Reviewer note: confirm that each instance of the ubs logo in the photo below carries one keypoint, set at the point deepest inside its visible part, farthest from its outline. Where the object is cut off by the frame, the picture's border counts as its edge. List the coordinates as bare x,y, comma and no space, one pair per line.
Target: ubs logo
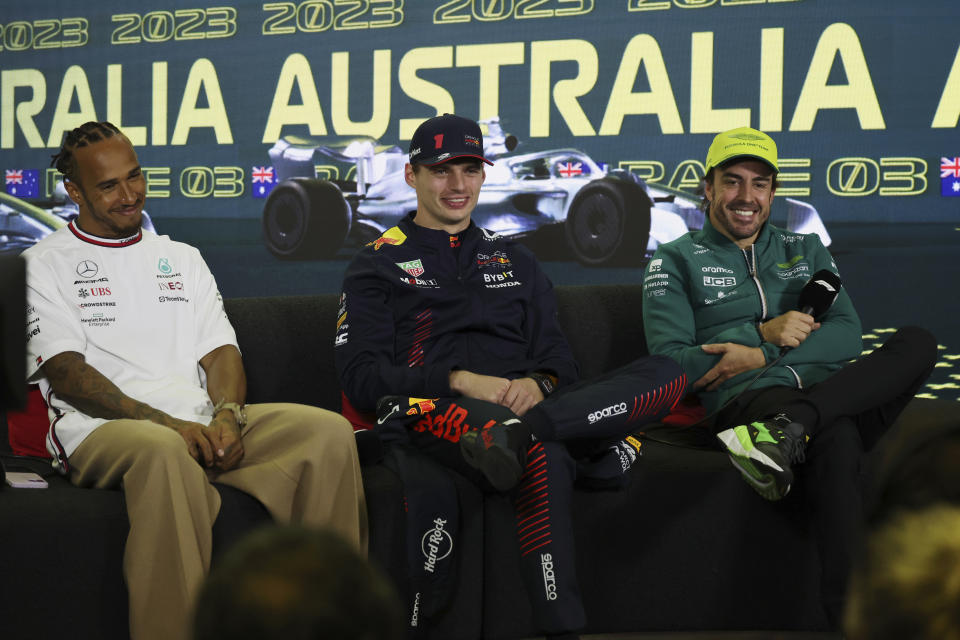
87,269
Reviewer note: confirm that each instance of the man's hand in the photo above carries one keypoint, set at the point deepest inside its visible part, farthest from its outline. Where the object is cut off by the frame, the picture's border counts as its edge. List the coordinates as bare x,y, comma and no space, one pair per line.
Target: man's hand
736,358
223,433
521,395
789,330
195,435
481,387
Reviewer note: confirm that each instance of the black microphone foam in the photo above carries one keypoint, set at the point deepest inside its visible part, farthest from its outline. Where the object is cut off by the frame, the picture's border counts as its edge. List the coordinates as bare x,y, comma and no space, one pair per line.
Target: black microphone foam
819,292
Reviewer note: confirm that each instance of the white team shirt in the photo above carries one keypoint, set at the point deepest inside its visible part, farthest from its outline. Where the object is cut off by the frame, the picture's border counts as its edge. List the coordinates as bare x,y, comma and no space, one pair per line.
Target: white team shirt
141,310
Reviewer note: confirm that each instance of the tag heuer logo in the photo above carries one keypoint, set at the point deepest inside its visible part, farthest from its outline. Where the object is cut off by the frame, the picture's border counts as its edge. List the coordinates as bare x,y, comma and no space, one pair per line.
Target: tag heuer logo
413,267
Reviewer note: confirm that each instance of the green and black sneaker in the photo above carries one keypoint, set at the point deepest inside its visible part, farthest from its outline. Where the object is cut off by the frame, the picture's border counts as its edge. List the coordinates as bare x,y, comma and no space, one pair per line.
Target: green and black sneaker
764,450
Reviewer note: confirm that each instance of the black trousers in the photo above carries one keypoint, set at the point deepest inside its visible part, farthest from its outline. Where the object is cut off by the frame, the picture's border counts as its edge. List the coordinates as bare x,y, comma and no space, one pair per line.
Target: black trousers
573,429
845,415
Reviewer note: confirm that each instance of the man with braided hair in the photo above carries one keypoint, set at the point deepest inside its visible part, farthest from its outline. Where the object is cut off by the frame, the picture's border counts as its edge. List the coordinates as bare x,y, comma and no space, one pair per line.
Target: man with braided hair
466,320
145,386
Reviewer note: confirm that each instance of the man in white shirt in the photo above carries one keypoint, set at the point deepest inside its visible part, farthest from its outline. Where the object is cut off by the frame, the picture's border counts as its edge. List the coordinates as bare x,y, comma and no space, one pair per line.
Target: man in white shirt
140,368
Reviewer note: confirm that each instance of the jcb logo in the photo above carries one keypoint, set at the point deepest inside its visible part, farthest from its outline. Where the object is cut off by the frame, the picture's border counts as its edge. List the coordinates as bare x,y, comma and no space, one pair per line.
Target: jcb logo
714,281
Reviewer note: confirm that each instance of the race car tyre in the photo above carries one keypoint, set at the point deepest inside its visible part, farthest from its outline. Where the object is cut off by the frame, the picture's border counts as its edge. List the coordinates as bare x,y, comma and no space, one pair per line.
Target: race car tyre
305,218
609,223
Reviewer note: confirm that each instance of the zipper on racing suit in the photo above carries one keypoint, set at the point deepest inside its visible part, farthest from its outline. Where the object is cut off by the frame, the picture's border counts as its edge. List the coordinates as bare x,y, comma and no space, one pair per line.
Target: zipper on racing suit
751,260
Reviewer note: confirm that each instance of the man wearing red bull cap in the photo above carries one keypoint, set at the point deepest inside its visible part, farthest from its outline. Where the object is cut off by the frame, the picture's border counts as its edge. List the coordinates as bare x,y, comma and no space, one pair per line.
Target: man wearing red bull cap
466,318
730,302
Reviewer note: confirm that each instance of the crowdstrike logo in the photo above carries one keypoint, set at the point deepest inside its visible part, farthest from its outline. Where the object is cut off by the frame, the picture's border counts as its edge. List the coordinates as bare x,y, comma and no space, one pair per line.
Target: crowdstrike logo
436,544
612,410
549,577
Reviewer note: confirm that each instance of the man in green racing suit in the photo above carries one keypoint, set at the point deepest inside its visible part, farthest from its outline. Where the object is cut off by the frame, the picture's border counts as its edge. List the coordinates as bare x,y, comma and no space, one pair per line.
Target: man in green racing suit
723,302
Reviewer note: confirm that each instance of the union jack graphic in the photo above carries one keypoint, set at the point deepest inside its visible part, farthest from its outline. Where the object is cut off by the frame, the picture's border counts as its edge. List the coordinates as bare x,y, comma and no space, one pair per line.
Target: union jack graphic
262,181
570,169
13,176
262,174
950,177
950,167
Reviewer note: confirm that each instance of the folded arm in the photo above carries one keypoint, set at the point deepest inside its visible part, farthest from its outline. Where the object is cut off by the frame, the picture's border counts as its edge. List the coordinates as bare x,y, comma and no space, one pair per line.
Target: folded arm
89,391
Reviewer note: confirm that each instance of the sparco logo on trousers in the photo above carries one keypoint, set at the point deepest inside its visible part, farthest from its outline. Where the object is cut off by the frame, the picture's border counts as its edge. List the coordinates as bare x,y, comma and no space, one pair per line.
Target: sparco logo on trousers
549,577
436,544
415,617
612,410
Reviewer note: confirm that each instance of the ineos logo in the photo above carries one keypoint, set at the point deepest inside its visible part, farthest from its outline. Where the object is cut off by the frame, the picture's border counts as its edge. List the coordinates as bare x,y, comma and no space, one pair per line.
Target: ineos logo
87,269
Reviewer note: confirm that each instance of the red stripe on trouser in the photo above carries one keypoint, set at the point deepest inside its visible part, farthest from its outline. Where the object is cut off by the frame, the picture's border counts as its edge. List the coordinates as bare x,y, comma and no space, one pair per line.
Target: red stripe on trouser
533,504
663,398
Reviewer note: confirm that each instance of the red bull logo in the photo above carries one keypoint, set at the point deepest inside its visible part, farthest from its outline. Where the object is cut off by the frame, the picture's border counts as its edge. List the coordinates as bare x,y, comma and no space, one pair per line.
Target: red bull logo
392,236
382,240
420,406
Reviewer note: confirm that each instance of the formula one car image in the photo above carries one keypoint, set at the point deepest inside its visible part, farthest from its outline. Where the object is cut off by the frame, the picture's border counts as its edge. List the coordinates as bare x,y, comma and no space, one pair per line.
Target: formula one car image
23,223
602,217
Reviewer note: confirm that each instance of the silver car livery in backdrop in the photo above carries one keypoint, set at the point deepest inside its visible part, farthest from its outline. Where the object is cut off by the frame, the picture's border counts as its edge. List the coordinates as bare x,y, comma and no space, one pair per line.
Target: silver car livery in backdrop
547,198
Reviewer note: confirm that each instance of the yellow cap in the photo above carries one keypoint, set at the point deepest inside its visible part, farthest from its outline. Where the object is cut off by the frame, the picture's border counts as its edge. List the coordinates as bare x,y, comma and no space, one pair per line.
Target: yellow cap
742,142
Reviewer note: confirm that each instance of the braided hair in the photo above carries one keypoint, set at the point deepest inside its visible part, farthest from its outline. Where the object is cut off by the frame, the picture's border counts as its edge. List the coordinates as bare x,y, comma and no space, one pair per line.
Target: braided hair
87,133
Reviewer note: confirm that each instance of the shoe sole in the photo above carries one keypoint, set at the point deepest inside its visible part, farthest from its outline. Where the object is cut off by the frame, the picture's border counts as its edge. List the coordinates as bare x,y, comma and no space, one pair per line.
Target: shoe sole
743,459
764,484
499,466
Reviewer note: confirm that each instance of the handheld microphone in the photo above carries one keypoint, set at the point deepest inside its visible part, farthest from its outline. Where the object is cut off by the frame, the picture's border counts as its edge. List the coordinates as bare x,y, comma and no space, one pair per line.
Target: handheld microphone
817,296
819,293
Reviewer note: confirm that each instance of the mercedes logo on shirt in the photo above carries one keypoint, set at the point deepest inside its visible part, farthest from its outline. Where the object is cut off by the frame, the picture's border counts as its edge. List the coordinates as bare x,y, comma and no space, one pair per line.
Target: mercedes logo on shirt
87,269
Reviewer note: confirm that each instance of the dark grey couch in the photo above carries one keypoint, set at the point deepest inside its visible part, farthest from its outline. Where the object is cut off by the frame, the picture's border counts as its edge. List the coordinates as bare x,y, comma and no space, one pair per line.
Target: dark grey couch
675,550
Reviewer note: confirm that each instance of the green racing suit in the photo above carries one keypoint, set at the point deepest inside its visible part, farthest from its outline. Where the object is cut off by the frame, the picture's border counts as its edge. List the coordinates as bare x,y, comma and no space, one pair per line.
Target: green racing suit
703,289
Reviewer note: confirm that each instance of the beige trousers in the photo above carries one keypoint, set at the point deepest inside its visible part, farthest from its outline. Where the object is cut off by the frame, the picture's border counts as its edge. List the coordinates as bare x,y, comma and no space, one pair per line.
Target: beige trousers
299,461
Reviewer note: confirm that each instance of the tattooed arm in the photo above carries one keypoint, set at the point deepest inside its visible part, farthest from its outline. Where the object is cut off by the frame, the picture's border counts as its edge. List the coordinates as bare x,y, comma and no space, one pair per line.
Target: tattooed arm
91,392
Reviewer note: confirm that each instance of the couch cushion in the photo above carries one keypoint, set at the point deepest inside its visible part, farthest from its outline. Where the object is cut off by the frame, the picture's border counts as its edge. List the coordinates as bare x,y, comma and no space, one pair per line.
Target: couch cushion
27,429
295,332
587,314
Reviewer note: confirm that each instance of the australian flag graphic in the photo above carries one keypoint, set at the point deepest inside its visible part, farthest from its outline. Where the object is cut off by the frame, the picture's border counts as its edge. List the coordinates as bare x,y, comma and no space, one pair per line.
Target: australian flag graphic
23,183
950,177
262,181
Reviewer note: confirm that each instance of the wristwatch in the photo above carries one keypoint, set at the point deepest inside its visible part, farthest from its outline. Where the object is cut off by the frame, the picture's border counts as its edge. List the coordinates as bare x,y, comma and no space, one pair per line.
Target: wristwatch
544,381
238,411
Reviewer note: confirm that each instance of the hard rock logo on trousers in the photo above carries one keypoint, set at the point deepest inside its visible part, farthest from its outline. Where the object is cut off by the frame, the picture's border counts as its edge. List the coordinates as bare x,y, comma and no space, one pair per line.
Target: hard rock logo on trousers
436,544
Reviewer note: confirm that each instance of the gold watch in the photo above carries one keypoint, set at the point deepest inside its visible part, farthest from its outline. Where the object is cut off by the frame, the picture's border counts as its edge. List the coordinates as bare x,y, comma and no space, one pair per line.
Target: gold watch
238,410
